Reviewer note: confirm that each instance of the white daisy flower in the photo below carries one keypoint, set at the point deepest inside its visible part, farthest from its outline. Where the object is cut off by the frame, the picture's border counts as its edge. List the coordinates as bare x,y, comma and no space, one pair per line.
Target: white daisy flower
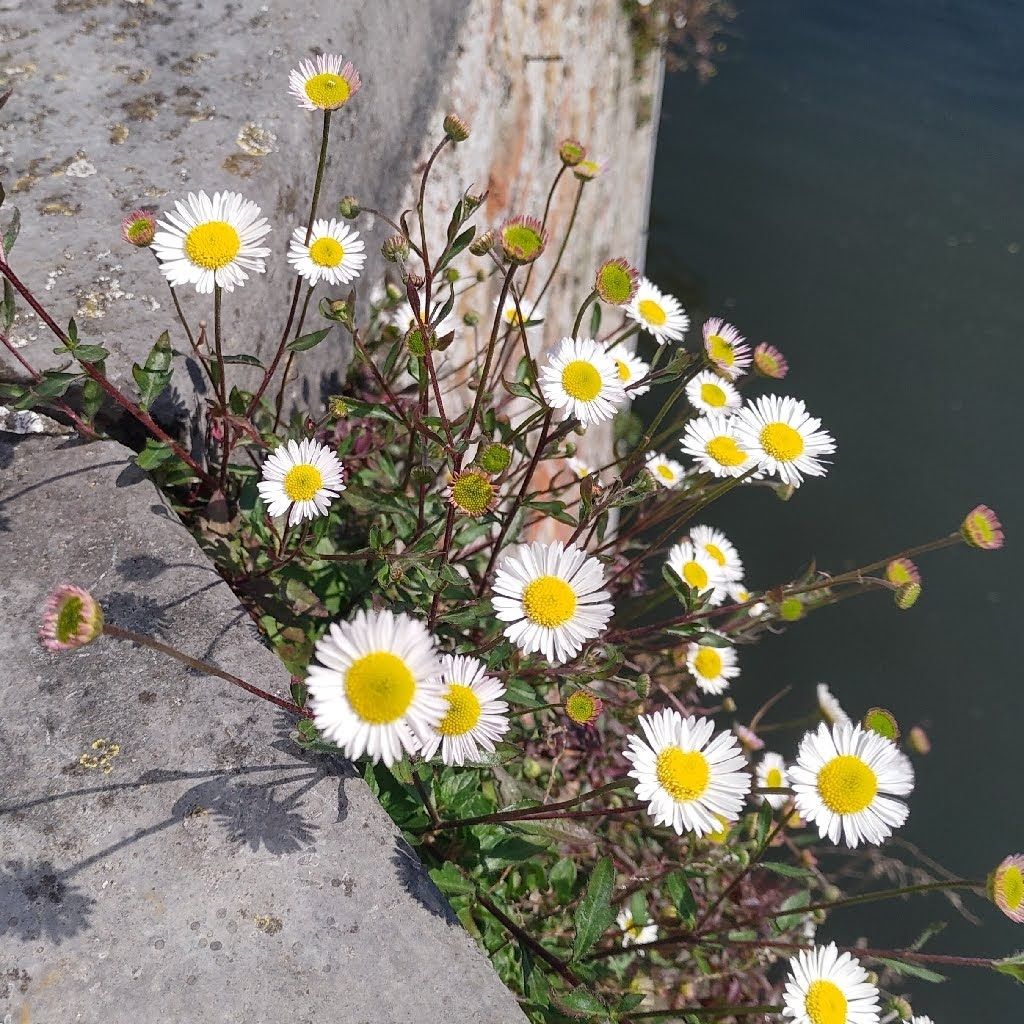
552,596
922,1019
632,932
846,780
698,571
709,392
334,253
207,242
580,468
690,780
831,710
829,987
531,313
712,668
715,543
303,476
666,471
659,314
631,368
476,717
726,348
771,774
784,438
375,687
326,83
714,444
581,379
739,594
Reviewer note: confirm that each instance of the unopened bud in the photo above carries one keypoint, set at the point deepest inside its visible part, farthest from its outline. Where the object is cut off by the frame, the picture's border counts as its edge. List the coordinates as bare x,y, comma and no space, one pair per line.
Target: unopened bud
349,207
571,152
395,249
883,722
451,275
482,244
337,407
906,596
455,128
643,685
470,318
728,705
791,609
138,228
918,741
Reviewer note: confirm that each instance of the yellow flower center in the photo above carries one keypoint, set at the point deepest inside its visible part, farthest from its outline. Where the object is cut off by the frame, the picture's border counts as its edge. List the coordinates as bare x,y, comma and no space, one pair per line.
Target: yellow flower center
473,493
463,711
379,687
549,601
684,775
712,394
581,380
623,367
720,350
665,472
302,482
847,785
695,574
825,1003
651,312
782,442
512,317
328,91
773,778
725,451
708,663
1012,885
212,245
327,252
715,552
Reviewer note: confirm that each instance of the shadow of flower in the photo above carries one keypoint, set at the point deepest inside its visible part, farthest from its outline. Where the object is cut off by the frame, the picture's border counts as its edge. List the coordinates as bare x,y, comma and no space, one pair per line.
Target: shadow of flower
37,902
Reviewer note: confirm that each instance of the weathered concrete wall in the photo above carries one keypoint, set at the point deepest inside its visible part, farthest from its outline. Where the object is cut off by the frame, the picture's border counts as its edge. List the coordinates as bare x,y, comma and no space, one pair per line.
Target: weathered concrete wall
166,851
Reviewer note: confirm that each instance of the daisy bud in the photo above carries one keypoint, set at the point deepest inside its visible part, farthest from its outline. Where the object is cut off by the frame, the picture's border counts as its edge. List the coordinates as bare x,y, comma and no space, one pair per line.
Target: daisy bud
471,318
882,722
784,491
770,362
393,292
395,249
749,739
472,493
471,202
455,128
583,707
902,570
494,458
791,609
349,207
981,529
728,705
413,280
571,152
918,741
138,228
643,685
1006,887
616,282
417,341
906,596
450,275
482,244
588,170
72,618
899,1006
523,239
337,407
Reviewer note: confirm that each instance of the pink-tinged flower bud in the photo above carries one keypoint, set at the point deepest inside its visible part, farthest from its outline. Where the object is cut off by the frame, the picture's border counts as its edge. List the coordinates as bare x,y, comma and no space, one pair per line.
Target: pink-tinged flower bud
72,618
981,529
455,128
902,570
583,707
571,152
616,282
770,362
906,595
138,228
918,741
1006,887
523,239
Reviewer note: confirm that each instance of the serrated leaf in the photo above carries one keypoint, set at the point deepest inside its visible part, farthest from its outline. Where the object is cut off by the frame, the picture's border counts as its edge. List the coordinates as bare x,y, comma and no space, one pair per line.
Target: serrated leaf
308,341
594,913
1013,966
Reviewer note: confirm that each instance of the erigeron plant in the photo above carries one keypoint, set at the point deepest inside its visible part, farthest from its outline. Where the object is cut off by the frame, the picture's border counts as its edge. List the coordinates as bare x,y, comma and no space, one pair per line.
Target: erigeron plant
547,721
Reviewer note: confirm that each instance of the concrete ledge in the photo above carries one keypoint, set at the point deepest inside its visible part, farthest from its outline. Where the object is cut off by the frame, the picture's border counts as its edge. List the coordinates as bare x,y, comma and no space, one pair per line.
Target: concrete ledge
166,851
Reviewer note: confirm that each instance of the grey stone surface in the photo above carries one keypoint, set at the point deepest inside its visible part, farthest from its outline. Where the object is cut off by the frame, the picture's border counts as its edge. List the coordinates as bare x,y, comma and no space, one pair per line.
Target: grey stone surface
167,853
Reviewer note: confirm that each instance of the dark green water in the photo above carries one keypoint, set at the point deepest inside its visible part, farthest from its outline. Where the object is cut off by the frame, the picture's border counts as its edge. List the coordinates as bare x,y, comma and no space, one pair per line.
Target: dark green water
850,187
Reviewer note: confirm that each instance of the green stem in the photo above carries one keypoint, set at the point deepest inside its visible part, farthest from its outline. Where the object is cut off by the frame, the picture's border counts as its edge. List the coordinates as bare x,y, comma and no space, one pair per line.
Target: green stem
707,1011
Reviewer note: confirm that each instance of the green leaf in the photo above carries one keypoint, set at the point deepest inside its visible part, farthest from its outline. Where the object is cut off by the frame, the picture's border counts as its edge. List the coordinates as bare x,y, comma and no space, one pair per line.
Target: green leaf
9,304
54,384
678,889
450,880
154,454
155,374
912,970
794,902
580,1003
90,353
1012,966
513,848
764,824
594,914
563,878
786,870
595,320
455,248
11,234
308,341
243,359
